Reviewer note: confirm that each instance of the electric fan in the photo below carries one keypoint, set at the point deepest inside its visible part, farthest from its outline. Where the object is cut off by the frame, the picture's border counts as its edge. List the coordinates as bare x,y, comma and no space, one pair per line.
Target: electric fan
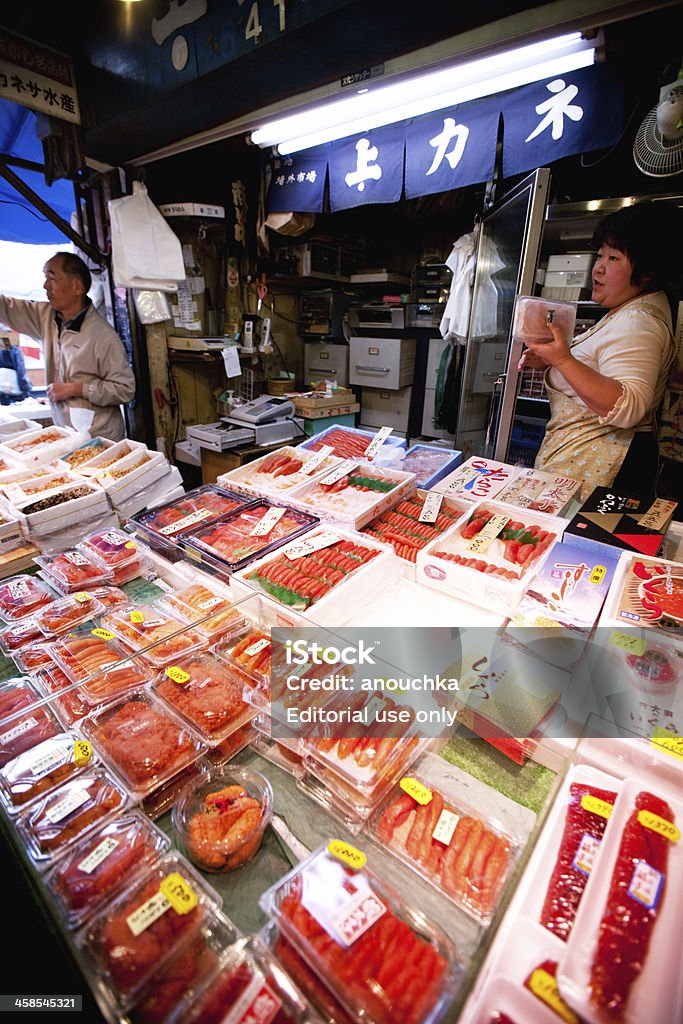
658,145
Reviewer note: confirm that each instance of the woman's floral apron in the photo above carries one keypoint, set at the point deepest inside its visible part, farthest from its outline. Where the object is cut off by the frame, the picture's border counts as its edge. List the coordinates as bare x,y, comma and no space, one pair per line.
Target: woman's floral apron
576,444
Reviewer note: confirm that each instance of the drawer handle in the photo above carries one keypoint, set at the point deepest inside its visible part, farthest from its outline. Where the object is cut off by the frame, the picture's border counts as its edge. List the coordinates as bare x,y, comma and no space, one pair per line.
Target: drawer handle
374,369
325,372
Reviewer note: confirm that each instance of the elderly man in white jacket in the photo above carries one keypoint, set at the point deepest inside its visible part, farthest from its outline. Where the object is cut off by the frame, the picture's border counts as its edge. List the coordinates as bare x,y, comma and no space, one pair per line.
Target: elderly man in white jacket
85,362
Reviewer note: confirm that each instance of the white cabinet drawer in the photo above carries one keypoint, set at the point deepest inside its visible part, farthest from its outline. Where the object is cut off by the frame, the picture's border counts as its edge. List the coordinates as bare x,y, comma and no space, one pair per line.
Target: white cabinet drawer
381,362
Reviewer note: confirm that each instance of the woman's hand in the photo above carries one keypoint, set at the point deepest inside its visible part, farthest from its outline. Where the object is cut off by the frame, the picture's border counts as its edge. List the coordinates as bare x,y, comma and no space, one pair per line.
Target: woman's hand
551,353
531,361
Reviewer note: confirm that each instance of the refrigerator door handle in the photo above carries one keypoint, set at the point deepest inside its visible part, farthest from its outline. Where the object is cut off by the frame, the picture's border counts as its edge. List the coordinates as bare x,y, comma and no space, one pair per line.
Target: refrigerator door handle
496,396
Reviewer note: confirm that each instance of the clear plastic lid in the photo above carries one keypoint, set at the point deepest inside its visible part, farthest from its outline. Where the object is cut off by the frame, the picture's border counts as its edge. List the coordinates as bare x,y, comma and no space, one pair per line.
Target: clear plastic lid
347,442
102,864
248,985
202,505
34,657
74,570
19,634
228,748
184,974
150,630
533,317
16,693
247,533
432,826
161,800
207,692
113,547
67,613
250,652
72,705
382,958
53,823
41,769
196,602
109,596
139,931
143,740
105,667
219,818
25,727
23,595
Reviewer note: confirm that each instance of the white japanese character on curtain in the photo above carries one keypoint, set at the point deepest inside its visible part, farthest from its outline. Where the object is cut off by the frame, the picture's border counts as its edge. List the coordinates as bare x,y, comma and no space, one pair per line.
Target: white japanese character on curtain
440,142
556,108
366,169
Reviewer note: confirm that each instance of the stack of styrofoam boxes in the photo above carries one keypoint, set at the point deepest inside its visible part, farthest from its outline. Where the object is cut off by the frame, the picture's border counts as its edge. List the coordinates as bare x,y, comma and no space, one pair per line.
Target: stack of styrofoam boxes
56,506
134,476
568,276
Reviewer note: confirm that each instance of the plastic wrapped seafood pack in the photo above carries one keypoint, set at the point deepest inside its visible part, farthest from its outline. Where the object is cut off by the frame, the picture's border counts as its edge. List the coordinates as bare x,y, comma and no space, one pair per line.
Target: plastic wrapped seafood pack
53,823
347,442
67,613
104,667
208,693
41,769
164,525
142,740
248,533
381,958
23,595
150,629
213,615
403,529
102,864
141,929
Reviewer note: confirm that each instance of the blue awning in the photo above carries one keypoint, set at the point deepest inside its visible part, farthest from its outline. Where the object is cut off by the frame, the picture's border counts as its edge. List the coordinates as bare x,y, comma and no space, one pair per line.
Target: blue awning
19,220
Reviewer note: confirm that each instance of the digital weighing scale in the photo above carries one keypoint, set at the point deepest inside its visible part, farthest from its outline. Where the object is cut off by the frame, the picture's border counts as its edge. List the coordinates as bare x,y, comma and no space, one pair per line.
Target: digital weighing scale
265,420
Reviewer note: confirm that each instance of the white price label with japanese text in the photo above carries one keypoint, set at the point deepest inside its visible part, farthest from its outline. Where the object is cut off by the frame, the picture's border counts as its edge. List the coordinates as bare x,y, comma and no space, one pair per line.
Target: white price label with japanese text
431,508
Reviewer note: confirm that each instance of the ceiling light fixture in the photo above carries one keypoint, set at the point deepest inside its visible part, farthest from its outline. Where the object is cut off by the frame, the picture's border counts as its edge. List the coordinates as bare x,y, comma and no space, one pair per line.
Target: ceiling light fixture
378,105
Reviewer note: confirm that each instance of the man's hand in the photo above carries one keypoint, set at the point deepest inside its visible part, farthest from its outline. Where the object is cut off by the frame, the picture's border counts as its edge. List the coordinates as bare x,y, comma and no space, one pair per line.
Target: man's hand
63,392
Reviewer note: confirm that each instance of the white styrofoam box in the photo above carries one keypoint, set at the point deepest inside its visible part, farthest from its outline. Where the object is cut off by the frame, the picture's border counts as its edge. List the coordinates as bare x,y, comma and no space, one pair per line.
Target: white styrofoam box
104,459
13,530
656,993
189,452
25,492
497,591
340,605
130,473
75,458
571,261
40,446
255,479
14,426
352,507
19,474
48,520
477,478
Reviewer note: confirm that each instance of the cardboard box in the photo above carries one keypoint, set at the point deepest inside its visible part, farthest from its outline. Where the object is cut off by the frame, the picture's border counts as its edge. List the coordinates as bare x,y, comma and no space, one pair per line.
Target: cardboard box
621,521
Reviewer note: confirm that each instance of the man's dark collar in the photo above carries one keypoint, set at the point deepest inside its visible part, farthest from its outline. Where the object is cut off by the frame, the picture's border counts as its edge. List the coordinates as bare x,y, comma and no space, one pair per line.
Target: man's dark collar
76,322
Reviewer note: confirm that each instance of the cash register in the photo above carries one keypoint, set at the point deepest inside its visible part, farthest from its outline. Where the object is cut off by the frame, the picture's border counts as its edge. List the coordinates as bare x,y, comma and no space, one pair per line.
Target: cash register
265,420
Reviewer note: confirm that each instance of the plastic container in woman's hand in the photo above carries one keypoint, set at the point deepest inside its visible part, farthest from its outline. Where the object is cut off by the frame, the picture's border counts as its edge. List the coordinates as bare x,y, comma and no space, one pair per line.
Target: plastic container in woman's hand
534,317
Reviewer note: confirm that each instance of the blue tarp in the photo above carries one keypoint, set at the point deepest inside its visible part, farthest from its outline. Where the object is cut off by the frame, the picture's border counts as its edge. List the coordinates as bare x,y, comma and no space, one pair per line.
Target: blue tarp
19,221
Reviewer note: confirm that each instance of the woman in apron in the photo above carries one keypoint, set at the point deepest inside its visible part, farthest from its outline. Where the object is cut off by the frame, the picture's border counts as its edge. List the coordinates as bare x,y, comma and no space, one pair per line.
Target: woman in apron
605,386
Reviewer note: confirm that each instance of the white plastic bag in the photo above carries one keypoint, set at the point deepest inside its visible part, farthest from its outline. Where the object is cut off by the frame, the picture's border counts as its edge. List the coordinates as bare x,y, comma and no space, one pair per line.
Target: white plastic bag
9,382
145,251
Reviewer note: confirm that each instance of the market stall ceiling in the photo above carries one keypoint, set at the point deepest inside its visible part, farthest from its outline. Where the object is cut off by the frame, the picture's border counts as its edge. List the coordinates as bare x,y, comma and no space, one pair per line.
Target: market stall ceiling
135,104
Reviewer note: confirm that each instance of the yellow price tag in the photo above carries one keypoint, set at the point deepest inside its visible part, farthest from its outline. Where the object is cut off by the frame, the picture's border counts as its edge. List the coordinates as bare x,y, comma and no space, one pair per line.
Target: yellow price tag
177,674
660,825
137,617
82,752
597,574
179,893
103,634
191,553
415,789
131,545
627,642
544,987
597,806
347,854
669,742
82,596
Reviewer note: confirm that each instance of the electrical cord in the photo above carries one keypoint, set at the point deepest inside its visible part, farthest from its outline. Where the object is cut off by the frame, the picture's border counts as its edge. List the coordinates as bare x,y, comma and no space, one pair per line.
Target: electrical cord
277,348
292,420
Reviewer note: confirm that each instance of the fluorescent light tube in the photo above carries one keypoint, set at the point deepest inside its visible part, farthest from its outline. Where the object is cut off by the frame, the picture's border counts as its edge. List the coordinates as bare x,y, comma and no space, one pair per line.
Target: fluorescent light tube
436,90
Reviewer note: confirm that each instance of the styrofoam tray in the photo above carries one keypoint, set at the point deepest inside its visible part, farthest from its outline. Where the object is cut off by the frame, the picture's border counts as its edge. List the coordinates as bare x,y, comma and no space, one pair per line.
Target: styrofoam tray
25,492
254,478
352,507
657,992
624,605
476,479
340,605
55,441
148,471
70,511
107,457
493,591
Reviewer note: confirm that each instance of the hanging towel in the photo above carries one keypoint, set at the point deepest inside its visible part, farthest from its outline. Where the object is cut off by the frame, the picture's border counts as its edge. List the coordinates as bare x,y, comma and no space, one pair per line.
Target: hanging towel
455,319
